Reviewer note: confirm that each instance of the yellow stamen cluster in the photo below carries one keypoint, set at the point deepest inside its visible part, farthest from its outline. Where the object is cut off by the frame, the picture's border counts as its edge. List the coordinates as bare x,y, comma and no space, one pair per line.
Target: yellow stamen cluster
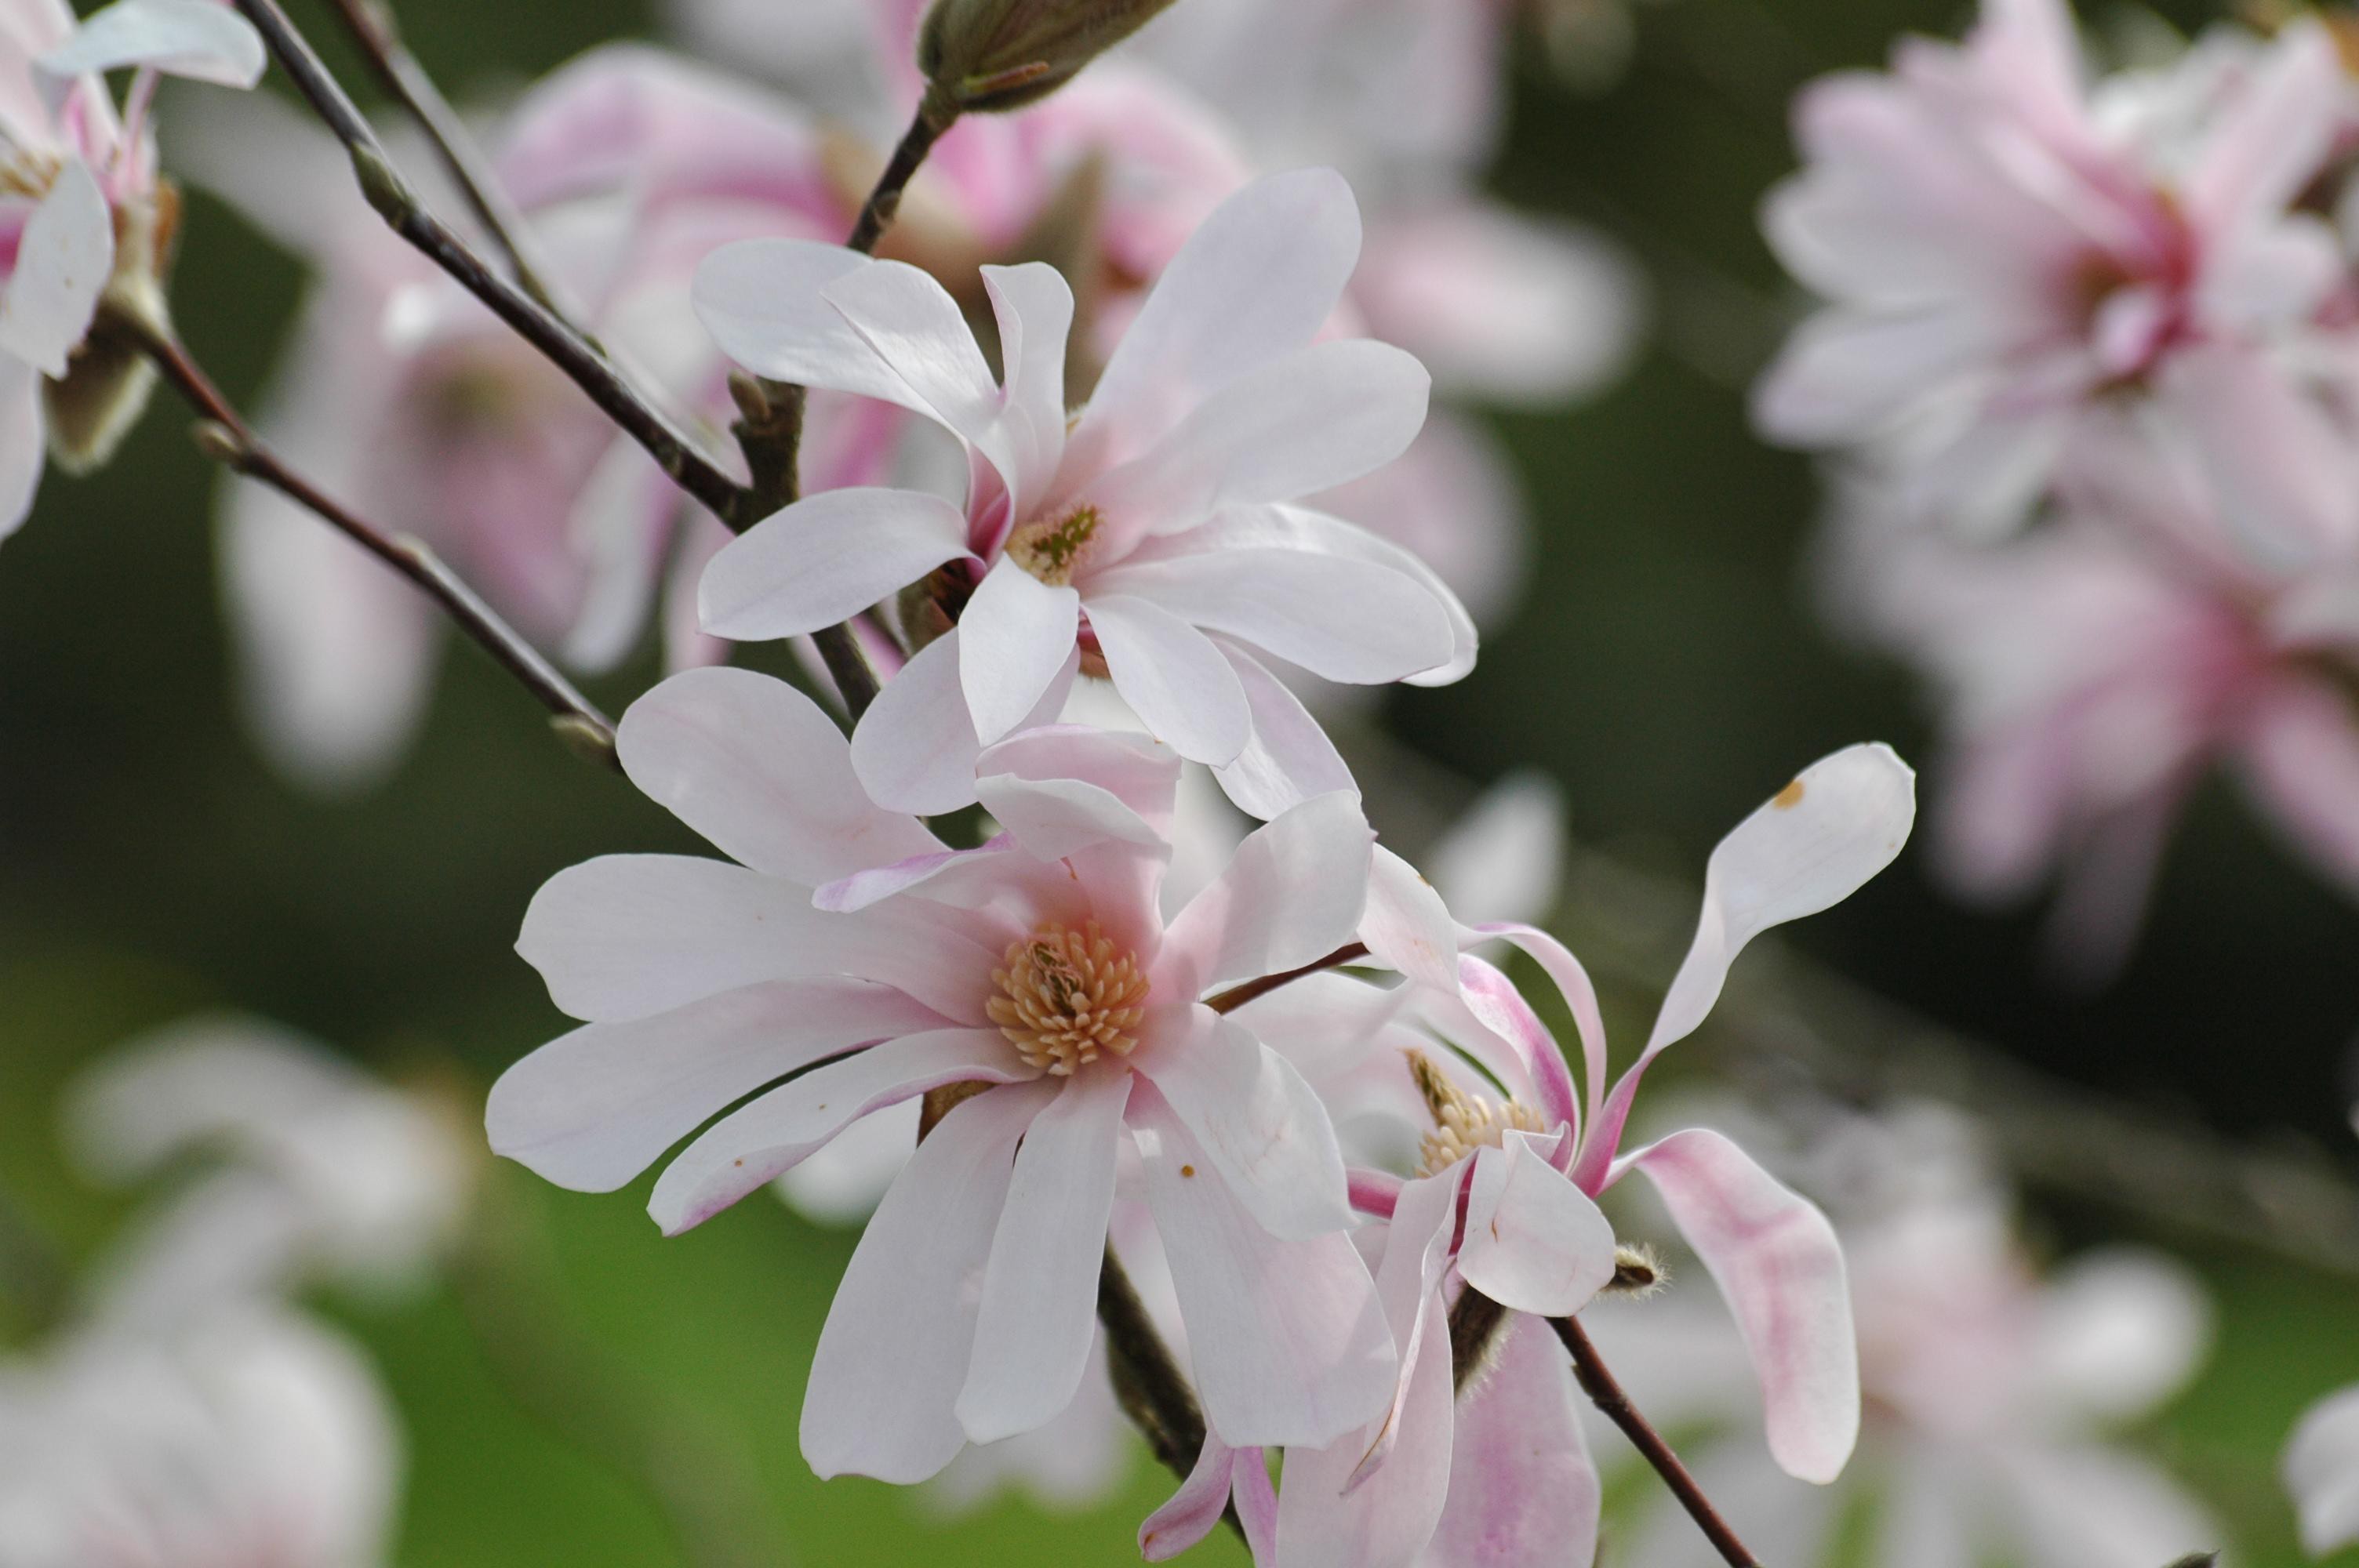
1071,996
1462,1122
1052,551
29,173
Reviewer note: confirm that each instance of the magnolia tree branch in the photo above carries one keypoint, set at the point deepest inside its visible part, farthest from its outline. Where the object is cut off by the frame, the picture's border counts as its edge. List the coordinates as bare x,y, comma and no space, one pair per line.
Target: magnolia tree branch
407,216
1606,1394
226,438
1236,997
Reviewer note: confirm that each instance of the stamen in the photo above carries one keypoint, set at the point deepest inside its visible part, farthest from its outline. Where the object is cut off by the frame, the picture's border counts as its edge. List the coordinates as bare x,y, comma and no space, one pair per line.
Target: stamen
1071,996
1052,551
1462,1122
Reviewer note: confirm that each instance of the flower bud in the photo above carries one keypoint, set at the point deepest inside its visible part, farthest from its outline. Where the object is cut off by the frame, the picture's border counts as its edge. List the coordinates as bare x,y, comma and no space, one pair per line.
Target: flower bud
989,56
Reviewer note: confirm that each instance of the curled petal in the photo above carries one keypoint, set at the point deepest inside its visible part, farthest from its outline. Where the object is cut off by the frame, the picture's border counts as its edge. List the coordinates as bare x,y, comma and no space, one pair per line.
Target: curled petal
1535,1243
196,38
825,559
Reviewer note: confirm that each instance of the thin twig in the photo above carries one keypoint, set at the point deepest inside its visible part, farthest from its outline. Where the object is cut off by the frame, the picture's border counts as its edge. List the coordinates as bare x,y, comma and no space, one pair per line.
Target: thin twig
227,438
935,116
1607,1396
1238,996
564,347
372,28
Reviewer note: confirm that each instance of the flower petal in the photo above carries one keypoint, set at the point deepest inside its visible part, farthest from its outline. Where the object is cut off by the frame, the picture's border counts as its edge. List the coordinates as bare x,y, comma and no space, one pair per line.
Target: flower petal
1139,772
1192,1511
64,257
591,1109
1016,632
915,327
898,1339
752,1145
2321,1471
1287,1338
1523,1489
1407,926
824,559
1033,305
1039,1312
195,38
1288,758
1534,1242
1352,620
754,766
1777,1263
1177,682
1266,1134
764,302
1293,894
23,441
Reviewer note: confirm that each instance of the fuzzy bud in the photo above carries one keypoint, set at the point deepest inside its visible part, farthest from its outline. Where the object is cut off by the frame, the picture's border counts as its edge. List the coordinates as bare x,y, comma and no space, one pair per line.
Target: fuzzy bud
989,56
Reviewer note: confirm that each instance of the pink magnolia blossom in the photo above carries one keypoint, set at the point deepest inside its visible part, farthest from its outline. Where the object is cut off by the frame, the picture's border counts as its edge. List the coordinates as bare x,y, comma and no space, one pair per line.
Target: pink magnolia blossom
83,220
851,955
2007,255
2321,1471
1504,1201
1152,536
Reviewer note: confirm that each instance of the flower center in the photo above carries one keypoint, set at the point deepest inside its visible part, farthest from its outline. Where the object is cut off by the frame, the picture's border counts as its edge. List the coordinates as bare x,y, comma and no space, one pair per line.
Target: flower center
1070,996
1053,551
29,173
1462,1122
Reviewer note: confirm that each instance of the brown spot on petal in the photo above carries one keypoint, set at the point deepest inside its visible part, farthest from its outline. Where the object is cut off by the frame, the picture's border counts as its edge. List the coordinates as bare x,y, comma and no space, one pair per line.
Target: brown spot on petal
1790,797
1187,1170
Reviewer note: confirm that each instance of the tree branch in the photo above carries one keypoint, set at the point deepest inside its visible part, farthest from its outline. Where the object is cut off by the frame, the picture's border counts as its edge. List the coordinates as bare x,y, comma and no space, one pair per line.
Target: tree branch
1607,1396
1236,997
229,441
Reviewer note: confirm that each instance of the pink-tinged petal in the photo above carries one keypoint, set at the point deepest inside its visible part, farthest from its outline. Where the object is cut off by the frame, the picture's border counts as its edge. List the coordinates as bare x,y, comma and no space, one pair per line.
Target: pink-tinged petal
23,441
851,894
1372,1500
1503,859
196,38
1775,1260
1033,305
1372,1193
1266,1133
1038,1312
627,936
1016,635
2301,759
1287,1338
1177,682
2282,471
1844,375
1290,758
1138,771
1580,996
886,1377
63,258
1053,818
751,1146
1407,926
754,766
1257,279
2321,1471
1323,416
825,559
1534,1241
1257,1504
591,1109
1523,1491
1350,621
1293,894
1195,1509
2275,134
1500,1007
764,302
915,749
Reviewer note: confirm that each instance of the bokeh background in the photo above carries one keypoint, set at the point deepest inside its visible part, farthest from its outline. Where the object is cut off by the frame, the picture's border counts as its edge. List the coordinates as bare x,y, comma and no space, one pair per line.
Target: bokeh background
1667,667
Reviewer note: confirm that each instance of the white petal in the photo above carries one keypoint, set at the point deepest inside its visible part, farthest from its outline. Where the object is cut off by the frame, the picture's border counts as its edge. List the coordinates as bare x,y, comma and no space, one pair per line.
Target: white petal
1407,926
901,1332
1249,1109
1016,634
1038,1315
824,559
1034,308
1174,679
764,302
1353,620
591,1109
751,1146
1139,772
23,441
1287,1342
196,38
2321,1471
1504,858
754,766
1293,894
64,259
914,326
915,749
1290,758
1534,1241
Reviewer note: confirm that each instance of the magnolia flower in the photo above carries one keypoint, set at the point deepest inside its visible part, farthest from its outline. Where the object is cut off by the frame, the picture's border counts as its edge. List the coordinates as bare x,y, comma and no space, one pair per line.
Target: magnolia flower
2004,257
86,227
1503,1200
1988,1388
2321,1471
316,1171
238,1440
1150,538
1033,987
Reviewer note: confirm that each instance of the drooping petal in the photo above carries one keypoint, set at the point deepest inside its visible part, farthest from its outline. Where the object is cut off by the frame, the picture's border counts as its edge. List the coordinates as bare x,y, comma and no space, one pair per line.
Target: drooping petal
64,257
754,766
1535,1243
2321,1471
1293,892
1776,1260
1288,758
824,559
1353,620
1249,1109
751,1146
1287,1338
1016,634
591,1109
1195,1509
1572,983
1524,1492
196,38
886,1377
1038,1312
1173,677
